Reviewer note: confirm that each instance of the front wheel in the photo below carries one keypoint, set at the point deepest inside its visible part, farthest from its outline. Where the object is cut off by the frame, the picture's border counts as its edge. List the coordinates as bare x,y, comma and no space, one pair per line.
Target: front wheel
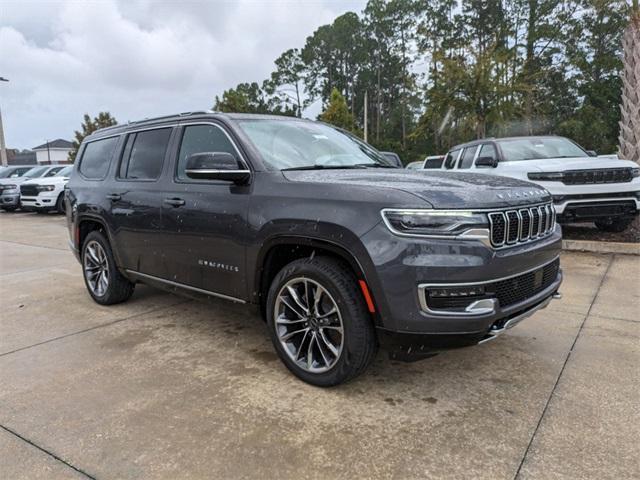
319,323
615,225
105,283
60,203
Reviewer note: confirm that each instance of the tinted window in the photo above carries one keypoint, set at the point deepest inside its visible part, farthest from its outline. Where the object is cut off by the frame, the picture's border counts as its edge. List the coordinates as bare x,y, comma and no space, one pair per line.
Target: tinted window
97,157
433,162
467,157
53,172
144,154
488,150
450,159
200,139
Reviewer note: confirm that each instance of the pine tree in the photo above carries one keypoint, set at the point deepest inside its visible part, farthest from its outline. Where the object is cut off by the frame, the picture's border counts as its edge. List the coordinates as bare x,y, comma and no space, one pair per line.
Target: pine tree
337,113
104,119
630,107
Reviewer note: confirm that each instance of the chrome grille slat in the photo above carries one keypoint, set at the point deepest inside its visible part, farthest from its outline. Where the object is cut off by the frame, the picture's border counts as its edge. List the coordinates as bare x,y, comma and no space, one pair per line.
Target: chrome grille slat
513,227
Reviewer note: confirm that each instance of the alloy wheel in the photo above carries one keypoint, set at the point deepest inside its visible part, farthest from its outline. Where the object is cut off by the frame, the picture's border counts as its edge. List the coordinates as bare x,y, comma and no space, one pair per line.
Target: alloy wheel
309,325
96,268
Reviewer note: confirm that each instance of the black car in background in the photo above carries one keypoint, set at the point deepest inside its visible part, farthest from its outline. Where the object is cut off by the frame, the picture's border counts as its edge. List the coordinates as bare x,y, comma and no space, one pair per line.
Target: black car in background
341,251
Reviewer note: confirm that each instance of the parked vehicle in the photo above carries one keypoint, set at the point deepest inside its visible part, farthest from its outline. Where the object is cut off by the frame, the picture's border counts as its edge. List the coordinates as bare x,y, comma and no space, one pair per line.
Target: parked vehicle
341,252
393,158
414,165
10,179
46,193
585,187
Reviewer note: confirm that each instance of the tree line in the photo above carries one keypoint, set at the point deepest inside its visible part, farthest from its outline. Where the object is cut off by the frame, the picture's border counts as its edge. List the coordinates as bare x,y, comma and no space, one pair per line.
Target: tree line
437,73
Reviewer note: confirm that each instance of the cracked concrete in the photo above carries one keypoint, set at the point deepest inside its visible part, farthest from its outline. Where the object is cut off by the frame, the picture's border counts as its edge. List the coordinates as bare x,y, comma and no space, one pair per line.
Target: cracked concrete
163,387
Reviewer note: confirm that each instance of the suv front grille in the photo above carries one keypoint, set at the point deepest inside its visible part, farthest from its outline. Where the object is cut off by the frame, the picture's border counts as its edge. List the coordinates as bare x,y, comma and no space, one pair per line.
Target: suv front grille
517,226
29,190
600,175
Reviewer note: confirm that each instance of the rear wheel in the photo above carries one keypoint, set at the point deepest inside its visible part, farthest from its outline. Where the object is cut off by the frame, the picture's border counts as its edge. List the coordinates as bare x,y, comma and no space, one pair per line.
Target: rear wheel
616,225
105,283
319,323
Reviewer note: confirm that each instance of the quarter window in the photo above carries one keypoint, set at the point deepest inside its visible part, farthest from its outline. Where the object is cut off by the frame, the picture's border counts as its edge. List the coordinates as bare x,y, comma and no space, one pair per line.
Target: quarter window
96,158
144,154
467,157
201,139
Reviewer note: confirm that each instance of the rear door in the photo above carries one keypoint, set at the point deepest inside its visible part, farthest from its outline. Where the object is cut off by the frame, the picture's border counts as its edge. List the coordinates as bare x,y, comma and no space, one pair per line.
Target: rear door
206,220
136,200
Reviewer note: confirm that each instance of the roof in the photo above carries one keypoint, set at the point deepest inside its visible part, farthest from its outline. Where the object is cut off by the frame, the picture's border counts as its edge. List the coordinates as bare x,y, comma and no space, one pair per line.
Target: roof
494,139
58,143
118,129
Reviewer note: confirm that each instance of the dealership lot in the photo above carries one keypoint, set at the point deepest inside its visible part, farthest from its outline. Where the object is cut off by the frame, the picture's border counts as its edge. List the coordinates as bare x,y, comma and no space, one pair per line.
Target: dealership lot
166,387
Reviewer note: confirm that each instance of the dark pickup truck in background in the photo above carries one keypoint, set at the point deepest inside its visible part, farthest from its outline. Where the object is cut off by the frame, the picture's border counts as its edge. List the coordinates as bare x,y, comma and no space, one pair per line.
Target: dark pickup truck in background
341,251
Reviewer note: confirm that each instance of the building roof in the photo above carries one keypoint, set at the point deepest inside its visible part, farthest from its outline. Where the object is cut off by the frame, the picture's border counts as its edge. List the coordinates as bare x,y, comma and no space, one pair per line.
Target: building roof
58,143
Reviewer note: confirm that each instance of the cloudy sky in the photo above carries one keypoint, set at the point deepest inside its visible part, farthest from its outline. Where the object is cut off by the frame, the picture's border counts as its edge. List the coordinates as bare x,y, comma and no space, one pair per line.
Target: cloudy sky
138,58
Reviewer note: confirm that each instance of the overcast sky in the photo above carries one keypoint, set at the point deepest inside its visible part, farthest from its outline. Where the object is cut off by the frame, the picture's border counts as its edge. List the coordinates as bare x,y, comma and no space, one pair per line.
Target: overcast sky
138,58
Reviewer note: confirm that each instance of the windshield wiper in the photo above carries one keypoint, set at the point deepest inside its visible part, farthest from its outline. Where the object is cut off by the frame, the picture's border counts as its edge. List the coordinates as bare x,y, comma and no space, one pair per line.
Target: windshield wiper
374,165
322,167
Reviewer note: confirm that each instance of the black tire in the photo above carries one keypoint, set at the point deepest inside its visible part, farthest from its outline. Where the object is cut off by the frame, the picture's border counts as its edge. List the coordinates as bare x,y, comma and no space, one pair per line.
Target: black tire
60,204
118,289
359,344
615,225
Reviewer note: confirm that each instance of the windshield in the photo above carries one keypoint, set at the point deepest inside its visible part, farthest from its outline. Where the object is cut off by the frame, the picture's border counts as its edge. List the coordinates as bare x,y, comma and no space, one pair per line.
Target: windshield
65,172
539,147
298,145
35,172
5,172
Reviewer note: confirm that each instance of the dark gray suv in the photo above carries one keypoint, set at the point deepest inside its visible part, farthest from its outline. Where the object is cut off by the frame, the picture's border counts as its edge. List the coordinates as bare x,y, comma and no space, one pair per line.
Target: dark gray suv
342,252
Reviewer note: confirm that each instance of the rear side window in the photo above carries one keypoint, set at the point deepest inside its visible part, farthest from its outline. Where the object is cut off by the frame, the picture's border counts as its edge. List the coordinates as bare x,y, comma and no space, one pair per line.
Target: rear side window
488,150
144,154
201,139
450,159
96,158
467,157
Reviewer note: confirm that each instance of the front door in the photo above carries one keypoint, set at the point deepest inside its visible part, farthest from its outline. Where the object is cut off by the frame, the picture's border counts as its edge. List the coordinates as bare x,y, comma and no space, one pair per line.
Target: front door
205,221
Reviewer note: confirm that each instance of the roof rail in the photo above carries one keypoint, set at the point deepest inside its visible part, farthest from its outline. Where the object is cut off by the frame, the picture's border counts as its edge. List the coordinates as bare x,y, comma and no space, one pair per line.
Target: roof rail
150,119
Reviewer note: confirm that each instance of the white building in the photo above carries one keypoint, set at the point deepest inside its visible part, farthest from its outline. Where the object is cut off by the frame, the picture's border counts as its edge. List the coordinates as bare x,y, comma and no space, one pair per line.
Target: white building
53,152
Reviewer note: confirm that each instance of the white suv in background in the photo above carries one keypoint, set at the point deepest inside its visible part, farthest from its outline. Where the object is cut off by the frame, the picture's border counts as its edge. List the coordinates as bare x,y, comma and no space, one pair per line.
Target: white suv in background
585,188
46,193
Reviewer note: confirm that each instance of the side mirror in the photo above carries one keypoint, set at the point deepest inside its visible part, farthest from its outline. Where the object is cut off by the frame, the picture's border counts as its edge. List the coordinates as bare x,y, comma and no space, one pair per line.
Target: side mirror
216,166
487,162
592,153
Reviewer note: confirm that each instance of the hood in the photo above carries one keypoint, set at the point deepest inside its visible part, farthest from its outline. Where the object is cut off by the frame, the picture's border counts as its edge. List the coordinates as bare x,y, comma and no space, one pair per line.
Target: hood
440,189
574,163
46,181
13,181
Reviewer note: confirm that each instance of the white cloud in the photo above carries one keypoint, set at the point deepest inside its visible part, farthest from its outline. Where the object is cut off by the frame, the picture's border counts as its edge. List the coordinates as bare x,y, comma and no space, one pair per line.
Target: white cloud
138,59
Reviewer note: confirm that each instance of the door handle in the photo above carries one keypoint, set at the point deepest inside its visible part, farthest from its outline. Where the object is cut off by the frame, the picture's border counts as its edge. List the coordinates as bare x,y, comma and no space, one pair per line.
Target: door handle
175,202
114,196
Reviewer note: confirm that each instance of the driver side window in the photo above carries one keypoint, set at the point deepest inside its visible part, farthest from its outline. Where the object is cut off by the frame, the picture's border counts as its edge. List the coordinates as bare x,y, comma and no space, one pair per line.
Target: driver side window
200,139
488,150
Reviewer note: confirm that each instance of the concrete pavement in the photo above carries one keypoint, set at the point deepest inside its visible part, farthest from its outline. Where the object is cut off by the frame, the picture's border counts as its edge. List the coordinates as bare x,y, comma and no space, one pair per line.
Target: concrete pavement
164,387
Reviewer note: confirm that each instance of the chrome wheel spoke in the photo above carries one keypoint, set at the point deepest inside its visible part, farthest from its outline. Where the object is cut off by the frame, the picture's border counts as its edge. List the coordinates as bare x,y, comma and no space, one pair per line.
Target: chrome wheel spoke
96,268
308,325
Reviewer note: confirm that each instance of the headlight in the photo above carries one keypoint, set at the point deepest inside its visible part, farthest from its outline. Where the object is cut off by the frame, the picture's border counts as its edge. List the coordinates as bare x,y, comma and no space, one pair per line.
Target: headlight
546,176
7,187
45,188
635,172
448,223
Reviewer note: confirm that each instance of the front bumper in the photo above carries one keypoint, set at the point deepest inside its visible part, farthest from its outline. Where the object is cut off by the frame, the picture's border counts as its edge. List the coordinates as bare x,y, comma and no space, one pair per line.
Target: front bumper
43,201
587,208
11,200
403,268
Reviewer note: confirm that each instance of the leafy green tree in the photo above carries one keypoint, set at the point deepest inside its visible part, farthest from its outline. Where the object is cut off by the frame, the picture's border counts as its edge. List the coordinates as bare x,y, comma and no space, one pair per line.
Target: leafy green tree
89,125
287,81
251,98
337,113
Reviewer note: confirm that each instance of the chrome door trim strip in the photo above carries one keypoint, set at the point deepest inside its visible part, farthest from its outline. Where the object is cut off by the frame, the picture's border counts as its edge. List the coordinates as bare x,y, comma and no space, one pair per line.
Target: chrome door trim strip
186,287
